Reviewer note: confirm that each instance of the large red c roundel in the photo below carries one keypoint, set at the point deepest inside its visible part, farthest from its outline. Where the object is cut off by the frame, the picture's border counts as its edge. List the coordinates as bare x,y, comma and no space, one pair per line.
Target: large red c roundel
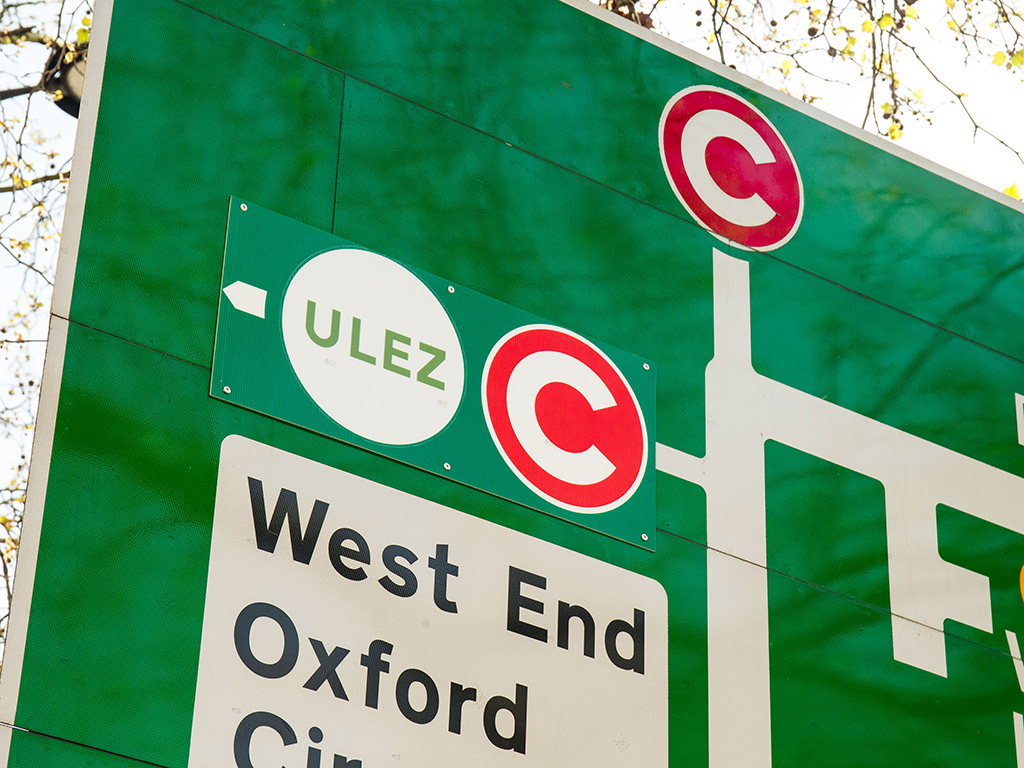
564,419
730,168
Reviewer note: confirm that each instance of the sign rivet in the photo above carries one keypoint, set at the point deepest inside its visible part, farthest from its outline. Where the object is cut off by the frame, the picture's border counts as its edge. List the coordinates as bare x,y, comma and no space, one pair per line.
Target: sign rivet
647,366
244,207
447,465
644,536
451,289
227,390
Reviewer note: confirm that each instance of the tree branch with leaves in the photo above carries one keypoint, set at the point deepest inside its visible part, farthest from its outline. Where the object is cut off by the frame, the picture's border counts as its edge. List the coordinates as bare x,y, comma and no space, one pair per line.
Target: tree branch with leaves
883,48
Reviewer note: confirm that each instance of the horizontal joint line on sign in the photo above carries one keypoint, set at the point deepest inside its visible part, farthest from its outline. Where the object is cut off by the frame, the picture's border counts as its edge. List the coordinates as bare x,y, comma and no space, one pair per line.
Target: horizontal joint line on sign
834,593
207,368
953,311
683,219
80,744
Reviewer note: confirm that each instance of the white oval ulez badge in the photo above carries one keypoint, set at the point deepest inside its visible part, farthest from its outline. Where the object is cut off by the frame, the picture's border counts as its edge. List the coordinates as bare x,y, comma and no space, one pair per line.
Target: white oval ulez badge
373,346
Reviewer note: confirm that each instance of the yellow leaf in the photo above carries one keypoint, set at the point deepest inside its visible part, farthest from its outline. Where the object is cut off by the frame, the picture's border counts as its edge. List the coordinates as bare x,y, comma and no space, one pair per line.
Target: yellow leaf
887,107
886,21
912,12
999,59
1012,191
86,22
868,26
1018,58
894,132
785,67
919,94
951,24
950,4
83,36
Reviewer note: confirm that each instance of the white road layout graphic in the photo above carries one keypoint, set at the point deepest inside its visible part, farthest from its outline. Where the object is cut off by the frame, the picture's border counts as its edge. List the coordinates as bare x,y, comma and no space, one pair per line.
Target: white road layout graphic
744,410
349,624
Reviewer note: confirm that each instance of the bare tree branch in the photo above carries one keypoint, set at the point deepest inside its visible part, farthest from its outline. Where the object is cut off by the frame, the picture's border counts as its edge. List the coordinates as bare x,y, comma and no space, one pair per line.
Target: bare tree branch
26,183
12,93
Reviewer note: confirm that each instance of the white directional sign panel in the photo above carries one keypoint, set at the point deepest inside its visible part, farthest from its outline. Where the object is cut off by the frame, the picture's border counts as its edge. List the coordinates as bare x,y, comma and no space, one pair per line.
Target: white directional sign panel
346,618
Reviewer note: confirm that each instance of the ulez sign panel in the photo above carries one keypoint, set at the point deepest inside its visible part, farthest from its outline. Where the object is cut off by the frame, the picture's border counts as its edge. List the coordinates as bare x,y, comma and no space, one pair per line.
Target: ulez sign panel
433,374
513,387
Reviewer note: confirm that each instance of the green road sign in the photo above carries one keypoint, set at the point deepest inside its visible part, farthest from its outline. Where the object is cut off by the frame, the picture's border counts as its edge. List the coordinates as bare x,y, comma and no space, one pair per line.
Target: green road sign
242,546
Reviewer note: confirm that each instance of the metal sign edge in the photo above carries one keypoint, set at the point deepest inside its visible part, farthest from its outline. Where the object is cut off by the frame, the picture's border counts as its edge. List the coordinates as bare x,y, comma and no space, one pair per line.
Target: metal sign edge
50,383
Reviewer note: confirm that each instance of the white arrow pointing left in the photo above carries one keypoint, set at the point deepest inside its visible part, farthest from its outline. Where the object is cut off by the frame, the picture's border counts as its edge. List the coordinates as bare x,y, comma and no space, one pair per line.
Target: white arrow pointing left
247,298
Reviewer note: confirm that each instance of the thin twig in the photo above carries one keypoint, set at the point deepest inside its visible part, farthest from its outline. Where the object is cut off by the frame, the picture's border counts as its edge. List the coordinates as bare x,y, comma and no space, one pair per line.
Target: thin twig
27,265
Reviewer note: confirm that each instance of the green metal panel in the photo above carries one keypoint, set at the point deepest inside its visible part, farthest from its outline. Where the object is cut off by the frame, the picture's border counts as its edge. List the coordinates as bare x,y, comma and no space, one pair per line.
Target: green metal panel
182,140
31,749
828,698
535,235
862,230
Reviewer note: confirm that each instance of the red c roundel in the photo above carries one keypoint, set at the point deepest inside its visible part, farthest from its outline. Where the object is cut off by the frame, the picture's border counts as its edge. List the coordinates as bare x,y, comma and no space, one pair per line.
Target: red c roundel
564,419
730,168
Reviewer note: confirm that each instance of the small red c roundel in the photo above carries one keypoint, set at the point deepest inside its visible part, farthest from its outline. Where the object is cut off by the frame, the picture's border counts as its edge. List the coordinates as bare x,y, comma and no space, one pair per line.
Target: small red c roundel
730,168
564,418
